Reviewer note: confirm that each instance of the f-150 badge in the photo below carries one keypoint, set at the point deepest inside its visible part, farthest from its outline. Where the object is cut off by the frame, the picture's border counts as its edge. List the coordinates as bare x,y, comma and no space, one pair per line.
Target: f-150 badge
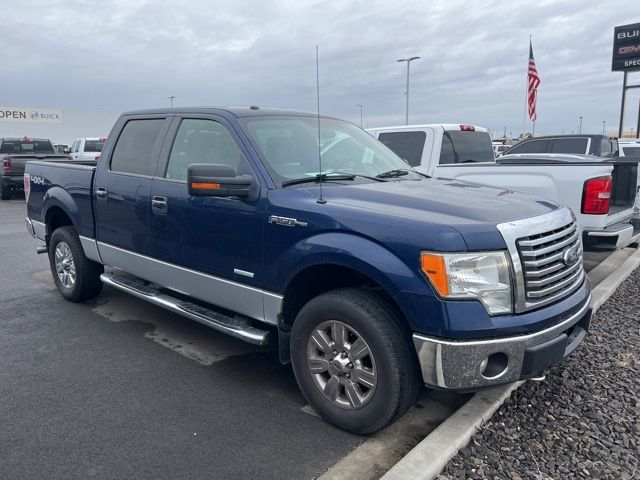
286,221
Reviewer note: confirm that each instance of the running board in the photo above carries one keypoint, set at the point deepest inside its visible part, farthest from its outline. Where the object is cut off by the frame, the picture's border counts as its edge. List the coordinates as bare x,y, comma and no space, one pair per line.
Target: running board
237,326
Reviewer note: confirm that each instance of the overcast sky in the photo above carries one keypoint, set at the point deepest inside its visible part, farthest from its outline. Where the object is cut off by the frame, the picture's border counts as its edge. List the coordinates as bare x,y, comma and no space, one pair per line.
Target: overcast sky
122,55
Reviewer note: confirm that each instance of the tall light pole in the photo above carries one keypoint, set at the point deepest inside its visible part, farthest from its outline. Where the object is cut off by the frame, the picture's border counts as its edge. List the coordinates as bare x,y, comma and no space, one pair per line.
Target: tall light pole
580,126
604,122
171,99
408,60
360,114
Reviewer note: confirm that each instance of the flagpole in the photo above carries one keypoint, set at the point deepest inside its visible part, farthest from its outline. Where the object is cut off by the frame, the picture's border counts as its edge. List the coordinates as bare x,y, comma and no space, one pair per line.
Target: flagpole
526,95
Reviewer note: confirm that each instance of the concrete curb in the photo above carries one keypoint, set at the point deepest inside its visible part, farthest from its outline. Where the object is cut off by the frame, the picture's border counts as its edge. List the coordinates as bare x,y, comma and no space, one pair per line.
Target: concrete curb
429,457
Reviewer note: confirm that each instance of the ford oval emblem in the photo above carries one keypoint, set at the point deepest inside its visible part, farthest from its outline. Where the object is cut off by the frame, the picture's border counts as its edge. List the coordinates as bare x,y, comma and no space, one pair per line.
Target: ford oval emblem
571,256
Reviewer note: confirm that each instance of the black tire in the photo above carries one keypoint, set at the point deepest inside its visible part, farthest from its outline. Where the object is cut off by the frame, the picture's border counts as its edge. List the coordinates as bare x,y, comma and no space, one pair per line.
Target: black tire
379,325
5,192
87,283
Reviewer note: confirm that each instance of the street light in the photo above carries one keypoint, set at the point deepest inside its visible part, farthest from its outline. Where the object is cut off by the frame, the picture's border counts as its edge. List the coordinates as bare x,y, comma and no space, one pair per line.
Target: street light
604,122
580,126
408,60
171,99
360,114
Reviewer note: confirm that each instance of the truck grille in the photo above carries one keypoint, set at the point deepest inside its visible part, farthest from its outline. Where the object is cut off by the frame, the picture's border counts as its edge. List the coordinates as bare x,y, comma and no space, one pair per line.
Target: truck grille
551,264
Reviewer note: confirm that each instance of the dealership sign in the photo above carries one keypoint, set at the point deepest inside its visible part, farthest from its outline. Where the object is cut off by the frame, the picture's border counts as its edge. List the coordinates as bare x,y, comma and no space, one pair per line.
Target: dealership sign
31,115
626,47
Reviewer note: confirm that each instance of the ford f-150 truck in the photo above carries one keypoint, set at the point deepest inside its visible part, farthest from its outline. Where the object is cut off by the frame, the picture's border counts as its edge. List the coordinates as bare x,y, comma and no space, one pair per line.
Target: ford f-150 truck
601,192
15,152
375,279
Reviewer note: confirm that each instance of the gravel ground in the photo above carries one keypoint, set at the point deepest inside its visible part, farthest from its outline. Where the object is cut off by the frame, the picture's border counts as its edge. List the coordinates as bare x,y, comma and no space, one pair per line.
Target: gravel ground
583,421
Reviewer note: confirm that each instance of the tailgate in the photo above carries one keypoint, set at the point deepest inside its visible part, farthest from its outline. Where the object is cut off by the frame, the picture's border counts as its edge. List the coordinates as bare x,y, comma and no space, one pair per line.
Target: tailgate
624,189
18,161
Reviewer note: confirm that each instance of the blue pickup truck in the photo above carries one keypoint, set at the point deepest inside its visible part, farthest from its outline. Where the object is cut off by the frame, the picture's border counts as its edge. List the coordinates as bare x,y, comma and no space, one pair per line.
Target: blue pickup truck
375,279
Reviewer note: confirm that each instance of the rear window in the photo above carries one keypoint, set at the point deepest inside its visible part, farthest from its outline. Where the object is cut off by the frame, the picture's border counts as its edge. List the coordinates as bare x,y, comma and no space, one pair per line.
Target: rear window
569,145
26,146
407,145
93,145
631,151
134,151
465,147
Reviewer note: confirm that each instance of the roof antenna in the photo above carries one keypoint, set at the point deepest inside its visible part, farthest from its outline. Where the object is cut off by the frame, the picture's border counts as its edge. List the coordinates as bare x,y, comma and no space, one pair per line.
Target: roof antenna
320,200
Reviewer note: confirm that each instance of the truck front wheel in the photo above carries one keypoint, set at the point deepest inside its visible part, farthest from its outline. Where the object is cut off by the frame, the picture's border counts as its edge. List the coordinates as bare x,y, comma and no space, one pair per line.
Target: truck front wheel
353,360
76,277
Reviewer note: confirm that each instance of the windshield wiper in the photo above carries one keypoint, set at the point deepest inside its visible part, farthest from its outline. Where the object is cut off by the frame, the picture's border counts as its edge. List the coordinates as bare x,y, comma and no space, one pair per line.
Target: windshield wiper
321,177
398,172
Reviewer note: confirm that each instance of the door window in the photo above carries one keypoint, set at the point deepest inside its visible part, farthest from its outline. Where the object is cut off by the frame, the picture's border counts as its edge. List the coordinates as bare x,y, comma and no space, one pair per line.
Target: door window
530,146
135,147
407,145
569,145
204,141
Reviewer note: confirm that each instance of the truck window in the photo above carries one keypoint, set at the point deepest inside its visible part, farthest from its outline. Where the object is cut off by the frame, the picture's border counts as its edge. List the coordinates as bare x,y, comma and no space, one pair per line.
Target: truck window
26,146
134,149
530,146
629,151
569,145
465,147
93,145
407,145
204,141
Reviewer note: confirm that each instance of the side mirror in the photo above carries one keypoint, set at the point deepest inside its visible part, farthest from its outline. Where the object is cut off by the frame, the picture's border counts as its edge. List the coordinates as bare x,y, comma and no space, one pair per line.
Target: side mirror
66,150
206,180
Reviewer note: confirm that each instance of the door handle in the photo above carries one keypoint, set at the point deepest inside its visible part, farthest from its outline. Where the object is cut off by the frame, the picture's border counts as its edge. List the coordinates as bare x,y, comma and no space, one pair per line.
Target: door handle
159,204
101,193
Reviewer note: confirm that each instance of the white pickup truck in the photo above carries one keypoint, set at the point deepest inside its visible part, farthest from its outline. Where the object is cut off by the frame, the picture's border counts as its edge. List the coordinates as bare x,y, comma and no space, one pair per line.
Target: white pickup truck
601,192
87,148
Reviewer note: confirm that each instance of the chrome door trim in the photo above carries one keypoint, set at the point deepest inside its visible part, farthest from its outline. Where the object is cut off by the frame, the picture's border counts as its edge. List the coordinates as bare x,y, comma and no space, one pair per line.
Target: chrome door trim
90,247
250,301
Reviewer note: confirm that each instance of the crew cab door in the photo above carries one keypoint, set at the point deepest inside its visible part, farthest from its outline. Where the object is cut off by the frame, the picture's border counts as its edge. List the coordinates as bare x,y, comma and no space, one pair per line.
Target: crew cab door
122,190
210,246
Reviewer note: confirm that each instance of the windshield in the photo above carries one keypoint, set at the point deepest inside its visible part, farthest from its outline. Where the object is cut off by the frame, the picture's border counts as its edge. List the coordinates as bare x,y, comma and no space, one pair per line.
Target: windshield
93,145
289,148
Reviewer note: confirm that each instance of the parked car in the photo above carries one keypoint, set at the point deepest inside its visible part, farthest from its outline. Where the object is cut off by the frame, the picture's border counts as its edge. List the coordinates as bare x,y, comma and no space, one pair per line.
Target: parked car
15,152
629,147
601,192
598,145
87,148
376,278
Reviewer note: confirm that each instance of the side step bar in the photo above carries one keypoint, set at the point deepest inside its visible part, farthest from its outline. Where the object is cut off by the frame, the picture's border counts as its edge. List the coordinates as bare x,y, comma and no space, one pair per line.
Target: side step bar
237,327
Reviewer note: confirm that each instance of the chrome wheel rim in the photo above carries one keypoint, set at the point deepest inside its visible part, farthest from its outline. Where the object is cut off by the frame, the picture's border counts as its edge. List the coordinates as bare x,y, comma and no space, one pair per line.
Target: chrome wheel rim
341,365
65,266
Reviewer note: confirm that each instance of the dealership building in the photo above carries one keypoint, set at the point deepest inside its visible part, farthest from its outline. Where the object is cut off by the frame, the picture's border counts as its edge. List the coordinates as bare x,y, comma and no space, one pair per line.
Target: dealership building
60,125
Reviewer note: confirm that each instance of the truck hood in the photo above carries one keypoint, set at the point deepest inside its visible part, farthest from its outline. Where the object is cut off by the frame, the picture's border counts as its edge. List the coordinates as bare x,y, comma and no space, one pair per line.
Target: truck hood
472,209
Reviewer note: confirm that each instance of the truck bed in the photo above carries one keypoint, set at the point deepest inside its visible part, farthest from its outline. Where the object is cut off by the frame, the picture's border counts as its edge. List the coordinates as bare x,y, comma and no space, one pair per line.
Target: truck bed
62,178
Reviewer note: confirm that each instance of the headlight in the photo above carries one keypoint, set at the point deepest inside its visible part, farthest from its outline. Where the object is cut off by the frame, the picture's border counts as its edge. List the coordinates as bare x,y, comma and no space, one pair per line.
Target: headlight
483,276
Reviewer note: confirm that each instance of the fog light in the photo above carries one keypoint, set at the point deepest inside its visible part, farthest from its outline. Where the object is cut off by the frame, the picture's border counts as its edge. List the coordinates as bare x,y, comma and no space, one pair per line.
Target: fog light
494,365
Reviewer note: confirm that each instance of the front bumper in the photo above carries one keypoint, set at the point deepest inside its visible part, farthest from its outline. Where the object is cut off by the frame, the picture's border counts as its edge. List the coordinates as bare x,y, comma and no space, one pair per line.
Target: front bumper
477,364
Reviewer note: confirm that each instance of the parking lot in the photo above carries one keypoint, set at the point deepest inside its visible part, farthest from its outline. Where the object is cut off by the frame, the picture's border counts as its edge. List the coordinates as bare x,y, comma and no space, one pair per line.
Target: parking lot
118,388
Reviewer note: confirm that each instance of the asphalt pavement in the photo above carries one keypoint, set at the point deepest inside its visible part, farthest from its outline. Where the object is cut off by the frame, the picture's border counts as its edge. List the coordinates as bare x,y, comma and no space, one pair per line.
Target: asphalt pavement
117,388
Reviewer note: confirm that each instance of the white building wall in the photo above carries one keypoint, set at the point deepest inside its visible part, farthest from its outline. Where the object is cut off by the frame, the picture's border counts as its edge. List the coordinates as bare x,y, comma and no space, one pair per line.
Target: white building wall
58,125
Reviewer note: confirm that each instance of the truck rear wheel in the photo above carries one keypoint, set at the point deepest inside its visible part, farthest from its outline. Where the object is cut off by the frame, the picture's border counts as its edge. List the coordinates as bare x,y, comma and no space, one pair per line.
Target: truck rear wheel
353,360
76,277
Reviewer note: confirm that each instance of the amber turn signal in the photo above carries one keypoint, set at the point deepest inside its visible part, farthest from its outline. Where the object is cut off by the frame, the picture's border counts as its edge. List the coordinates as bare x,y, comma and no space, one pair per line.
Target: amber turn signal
204,186
434,268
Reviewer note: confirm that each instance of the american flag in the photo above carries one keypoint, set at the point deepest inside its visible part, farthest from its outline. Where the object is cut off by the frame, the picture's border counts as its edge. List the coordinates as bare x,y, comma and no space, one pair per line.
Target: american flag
533,82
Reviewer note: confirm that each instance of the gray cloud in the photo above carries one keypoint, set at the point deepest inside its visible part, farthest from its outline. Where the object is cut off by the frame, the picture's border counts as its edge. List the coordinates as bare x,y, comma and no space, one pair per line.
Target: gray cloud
121,55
